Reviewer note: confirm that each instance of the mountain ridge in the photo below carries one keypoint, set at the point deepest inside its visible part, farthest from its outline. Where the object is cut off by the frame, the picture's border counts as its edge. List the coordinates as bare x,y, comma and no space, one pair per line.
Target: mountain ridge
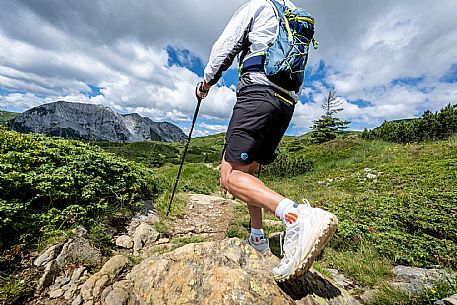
80,121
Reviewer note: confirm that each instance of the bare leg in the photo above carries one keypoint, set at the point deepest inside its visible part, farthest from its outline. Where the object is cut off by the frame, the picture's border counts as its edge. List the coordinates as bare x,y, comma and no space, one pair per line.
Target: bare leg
236,180
255,212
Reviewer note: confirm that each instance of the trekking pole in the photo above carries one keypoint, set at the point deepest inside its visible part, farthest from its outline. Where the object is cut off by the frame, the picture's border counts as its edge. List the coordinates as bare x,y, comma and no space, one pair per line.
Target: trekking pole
199,100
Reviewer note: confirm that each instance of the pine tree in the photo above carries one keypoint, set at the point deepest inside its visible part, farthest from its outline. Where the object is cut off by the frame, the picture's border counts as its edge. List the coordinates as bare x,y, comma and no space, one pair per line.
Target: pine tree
328,126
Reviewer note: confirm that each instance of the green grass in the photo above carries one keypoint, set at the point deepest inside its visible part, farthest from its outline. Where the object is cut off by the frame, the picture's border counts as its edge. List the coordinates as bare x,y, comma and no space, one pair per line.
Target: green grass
163,228
195,178
5,116
388,295
179,242
407,212
155,154
365,265
15,289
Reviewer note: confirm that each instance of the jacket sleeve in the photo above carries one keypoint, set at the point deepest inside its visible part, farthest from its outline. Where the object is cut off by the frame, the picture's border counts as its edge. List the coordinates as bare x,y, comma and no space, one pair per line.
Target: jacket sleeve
231,42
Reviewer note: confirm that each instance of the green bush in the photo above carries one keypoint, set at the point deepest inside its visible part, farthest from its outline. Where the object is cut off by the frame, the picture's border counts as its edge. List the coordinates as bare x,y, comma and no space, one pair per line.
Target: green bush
429,127
151,154
288,166
49,184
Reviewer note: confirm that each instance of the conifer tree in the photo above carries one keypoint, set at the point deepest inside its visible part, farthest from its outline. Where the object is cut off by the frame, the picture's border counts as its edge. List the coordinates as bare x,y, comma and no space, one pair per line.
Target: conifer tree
328,126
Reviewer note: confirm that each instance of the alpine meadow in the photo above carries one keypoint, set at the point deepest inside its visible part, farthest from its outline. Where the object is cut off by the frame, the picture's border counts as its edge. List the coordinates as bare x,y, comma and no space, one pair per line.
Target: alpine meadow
260,152
396,202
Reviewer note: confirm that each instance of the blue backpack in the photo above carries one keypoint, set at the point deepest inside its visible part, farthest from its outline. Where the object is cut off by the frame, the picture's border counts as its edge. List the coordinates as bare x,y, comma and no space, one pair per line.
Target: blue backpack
284,61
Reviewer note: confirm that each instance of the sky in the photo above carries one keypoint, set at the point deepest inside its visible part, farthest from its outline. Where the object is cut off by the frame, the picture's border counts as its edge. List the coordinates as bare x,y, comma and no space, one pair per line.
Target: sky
385,59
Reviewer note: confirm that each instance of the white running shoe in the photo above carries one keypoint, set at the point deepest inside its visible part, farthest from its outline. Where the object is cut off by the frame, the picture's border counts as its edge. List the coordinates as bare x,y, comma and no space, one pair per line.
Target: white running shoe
262,246
304,240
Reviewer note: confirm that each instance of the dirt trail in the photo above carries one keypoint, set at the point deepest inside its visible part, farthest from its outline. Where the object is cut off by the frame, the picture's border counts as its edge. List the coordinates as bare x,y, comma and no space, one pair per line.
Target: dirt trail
206,216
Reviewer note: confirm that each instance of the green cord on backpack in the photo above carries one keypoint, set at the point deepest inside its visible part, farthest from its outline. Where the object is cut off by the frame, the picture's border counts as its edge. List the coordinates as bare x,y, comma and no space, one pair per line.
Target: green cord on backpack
285,60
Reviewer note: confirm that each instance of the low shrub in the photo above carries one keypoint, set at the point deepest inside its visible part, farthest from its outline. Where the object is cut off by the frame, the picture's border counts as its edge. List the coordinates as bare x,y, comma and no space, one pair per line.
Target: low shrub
431,126
288,166
49,184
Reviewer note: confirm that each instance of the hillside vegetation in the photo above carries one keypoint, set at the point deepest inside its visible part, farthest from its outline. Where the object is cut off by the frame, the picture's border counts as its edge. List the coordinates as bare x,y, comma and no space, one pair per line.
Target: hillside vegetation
5,116
50,185
396,203
399,198
155,154
430,127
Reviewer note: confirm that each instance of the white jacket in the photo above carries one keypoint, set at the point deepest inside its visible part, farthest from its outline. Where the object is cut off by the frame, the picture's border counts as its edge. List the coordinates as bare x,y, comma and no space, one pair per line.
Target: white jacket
254,25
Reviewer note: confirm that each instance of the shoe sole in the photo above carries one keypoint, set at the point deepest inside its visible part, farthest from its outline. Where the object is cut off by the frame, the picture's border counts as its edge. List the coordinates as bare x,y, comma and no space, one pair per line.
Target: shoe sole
320,243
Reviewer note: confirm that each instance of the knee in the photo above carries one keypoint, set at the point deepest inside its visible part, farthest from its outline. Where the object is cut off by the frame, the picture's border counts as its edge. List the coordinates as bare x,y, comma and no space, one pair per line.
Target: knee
227,182
224,181
235,181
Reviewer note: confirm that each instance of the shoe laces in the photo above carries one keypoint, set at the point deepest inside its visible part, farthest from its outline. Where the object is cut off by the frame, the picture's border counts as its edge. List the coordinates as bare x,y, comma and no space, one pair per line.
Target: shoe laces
306,202
289,238
287,244
281,236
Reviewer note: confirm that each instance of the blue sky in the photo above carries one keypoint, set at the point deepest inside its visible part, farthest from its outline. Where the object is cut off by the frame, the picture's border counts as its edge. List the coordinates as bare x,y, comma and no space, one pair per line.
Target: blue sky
382,61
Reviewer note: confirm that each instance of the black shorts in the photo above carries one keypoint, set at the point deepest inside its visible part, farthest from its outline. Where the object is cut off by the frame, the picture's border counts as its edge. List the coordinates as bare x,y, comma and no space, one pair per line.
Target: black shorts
260,118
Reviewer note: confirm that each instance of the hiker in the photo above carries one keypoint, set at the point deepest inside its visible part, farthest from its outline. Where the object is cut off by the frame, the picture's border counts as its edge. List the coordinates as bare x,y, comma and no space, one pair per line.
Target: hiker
260,118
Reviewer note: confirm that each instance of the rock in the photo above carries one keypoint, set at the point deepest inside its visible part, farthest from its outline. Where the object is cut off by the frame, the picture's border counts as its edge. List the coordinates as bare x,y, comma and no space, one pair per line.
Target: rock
79,231
222,272
452,300
94,286
79,250
124,241
62,280
48,255
367,295
371,176
81,121
78,300
116,296
415,280
341,280
144,235
147,213
77,274
271,222
54,294
105,292
48,276
74,283
163,241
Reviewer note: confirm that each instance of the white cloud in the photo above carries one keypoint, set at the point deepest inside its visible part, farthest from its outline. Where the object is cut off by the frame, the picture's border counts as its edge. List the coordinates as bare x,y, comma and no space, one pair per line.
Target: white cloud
213,127
54,49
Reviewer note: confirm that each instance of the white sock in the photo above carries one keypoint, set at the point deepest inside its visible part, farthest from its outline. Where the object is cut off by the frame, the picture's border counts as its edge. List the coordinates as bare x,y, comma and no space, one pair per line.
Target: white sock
257,235
287,211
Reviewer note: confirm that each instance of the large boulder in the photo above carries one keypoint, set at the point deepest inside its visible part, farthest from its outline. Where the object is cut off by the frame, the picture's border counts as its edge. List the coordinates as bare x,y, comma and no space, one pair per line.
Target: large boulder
222,272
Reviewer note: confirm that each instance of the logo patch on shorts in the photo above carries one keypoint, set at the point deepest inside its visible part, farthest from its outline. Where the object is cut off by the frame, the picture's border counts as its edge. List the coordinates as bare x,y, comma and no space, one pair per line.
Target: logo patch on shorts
244,156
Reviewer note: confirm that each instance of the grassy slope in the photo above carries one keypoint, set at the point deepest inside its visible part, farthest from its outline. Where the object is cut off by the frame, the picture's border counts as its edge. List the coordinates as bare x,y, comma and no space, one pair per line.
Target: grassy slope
155,154
407,212
6,116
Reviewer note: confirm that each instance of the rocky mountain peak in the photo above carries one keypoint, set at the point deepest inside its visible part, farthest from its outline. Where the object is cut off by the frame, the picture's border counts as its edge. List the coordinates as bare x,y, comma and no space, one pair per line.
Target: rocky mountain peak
82,121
